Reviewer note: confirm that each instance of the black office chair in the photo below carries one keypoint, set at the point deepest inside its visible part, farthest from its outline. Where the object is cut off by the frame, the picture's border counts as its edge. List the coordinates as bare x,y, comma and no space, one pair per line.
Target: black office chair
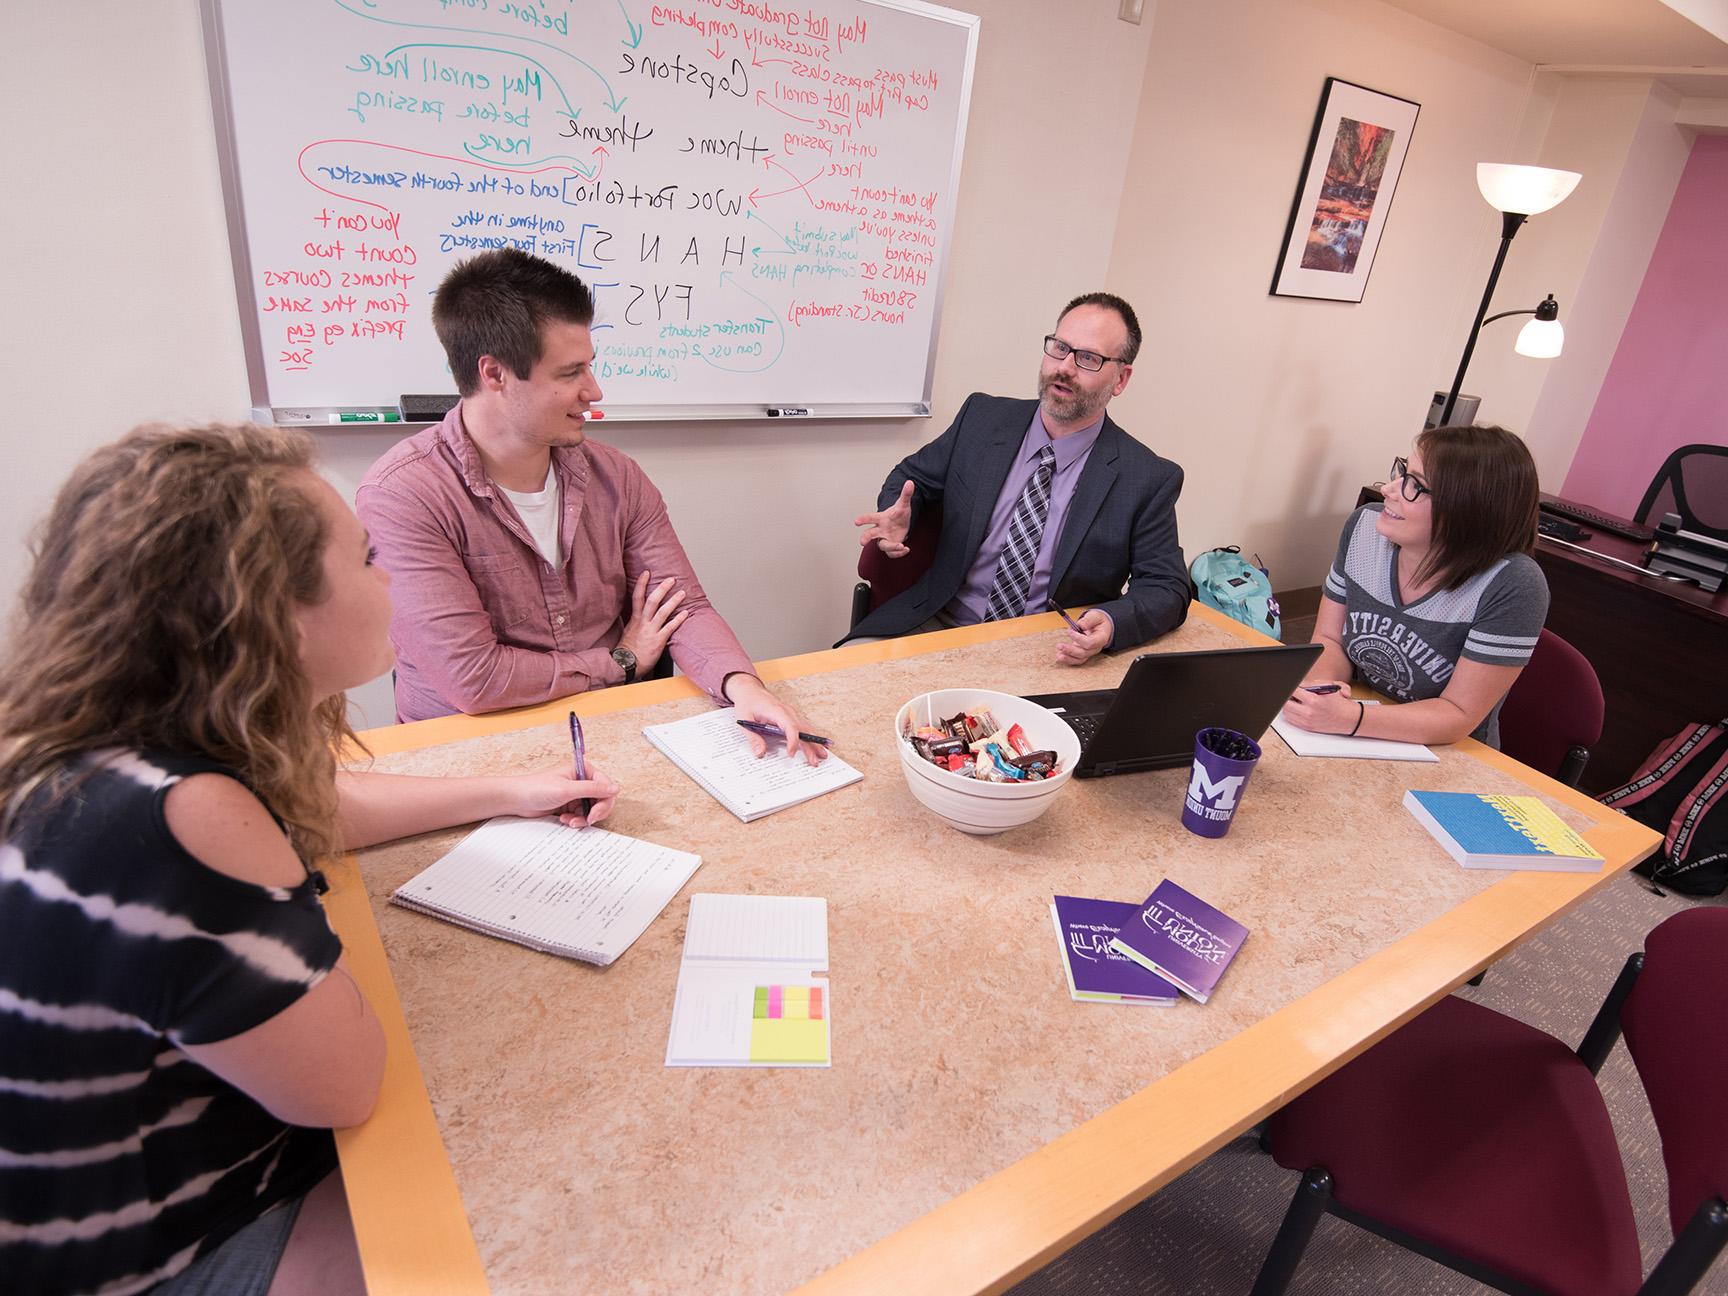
1693,482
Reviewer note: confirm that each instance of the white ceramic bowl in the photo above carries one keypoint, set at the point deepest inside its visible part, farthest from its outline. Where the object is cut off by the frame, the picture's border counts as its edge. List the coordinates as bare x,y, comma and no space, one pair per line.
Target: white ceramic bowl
978,807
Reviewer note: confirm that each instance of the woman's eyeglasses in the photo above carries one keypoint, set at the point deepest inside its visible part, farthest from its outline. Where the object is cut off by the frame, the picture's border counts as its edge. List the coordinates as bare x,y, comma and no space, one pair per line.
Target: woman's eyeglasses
1411,489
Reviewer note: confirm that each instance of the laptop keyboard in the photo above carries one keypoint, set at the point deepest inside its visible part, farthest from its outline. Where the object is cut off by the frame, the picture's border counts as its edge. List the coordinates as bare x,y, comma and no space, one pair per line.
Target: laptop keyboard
1084,725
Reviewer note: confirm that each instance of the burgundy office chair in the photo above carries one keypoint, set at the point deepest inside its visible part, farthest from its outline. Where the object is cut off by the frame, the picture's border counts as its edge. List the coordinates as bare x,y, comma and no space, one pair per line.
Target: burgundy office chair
880,577
1484,1144
1553,715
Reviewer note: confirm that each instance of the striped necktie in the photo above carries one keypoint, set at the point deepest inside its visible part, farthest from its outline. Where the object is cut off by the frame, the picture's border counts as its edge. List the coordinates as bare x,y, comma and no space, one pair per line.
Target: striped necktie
1020,552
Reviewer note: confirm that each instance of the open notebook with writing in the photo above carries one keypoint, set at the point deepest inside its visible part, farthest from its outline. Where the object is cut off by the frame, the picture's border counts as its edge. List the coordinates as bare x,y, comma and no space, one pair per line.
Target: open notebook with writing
714,751
584,893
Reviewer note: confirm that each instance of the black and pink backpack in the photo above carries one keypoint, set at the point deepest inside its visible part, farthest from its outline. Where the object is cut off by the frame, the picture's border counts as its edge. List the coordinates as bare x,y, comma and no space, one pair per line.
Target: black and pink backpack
1682,792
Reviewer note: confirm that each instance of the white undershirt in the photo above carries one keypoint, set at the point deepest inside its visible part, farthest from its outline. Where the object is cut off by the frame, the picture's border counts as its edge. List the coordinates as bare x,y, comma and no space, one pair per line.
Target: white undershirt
539,513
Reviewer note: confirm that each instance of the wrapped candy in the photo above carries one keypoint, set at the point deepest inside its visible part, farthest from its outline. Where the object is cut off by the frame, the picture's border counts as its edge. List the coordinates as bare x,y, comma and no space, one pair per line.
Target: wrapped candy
973,745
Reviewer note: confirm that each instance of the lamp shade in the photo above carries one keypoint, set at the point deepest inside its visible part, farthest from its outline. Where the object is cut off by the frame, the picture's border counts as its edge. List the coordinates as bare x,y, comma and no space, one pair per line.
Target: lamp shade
1541,339
1524,189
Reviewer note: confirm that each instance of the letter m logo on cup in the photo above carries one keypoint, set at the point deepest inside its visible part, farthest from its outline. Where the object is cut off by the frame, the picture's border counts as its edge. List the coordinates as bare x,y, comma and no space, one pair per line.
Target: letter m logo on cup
1202,790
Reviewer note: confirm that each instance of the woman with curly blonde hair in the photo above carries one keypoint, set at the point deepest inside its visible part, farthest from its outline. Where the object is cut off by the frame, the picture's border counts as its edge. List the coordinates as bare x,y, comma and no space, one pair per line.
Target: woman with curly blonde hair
178,1032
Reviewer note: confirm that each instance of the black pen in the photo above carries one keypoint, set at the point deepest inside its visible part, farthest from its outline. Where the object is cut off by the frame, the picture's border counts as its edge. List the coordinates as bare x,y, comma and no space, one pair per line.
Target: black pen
581,751
1320,688
775,731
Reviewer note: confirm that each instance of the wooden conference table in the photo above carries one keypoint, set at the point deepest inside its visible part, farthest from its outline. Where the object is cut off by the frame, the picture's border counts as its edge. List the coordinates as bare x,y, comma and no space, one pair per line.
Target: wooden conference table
976,1121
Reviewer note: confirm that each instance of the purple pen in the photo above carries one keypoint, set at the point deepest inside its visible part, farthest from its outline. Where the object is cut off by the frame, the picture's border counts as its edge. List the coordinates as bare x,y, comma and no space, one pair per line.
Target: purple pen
1320,688
580,749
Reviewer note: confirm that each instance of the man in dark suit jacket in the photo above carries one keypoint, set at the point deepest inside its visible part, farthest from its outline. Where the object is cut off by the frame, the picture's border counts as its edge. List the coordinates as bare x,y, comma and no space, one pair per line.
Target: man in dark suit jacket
1110,518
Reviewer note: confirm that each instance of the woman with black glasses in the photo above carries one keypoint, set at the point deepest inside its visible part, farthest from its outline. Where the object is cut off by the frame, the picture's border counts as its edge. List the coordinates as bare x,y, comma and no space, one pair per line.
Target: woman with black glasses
1433,598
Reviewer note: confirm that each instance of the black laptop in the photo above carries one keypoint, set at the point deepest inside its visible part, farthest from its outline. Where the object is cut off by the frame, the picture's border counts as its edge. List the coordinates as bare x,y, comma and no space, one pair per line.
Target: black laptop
1149,722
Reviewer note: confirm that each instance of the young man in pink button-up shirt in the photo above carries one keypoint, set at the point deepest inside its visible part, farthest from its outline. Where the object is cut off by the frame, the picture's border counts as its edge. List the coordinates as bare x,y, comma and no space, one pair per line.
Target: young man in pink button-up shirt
526,561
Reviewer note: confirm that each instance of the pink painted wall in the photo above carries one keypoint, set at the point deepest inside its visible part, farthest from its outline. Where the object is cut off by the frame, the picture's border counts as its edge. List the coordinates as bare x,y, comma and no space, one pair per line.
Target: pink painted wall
1668,383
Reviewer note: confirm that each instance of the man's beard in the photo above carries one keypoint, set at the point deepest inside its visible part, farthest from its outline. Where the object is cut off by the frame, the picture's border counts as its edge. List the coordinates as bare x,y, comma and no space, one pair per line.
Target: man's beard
1071,406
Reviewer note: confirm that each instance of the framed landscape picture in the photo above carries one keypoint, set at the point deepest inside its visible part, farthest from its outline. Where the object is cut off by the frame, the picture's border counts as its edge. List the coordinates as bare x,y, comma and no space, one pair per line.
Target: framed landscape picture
1348,178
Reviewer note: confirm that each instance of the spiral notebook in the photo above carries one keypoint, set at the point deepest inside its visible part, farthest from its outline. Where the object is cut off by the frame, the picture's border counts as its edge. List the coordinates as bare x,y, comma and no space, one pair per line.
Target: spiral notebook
583,893
753,984
714,751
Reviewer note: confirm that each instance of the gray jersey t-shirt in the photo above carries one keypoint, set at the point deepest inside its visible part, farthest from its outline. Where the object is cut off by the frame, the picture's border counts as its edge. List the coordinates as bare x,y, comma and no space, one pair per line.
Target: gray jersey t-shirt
1409,652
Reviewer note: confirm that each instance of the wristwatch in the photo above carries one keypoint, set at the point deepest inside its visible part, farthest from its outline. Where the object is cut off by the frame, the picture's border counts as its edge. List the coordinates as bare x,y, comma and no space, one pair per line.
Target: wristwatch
626,662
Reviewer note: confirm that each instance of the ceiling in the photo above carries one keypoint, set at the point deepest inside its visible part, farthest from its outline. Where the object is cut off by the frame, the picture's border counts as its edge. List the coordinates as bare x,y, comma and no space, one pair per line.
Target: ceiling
1647,38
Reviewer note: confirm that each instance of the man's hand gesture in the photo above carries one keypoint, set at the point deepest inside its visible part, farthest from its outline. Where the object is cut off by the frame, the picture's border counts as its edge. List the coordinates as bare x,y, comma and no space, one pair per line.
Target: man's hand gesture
889,527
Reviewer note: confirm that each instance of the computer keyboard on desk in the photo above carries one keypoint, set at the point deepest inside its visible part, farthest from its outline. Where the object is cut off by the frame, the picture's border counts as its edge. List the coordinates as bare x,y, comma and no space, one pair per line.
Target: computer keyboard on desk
1596,520
1084,725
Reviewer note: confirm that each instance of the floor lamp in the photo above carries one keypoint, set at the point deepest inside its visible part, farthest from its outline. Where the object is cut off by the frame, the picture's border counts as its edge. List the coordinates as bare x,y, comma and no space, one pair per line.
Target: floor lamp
1517,193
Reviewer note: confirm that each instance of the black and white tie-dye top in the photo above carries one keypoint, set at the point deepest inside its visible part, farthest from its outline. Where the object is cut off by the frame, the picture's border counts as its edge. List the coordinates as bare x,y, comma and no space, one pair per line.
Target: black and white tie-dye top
121,1160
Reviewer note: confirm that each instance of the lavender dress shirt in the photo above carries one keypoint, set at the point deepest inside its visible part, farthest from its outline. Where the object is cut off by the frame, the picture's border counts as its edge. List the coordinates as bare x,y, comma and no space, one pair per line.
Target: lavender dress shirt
482,621
969,605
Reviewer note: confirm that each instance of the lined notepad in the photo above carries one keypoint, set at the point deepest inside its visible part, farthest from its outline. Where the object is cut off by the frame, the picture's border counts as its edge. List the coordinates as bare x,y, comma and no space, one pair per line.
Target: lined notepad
714,751
749,989
584,893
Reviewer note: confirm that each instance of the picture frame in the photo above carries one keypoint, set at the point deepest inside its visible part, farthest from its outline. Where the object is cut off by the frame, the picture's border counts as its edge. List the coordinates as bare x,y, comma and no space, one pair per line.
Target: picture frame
1355,155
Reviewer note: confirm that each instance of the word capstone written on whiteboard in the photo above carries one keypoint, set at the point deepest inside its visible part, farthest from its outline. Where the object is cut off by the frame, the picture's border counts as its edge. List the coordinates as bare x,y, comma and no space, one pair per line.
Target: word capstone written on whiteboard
759,196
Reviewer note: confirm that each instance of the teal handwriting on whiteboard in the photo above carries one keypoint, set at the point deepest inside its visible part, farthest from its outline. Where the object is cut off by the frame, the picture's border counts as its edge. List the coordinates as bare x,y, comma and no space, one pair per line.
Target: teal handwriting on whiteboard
761,198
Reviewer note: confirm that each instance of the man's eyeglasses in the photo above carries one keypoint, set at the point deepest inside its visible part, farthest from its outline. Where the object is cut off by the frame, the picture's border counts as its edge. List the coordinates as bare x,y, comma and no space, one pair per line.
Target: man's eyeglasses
1411,489
1057,349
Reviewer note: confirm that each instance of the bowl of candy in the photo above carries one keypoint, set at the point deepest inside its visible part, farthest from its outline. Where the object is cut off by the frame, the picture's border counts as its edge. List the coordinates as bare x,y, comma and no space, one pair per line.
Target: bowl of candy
983,762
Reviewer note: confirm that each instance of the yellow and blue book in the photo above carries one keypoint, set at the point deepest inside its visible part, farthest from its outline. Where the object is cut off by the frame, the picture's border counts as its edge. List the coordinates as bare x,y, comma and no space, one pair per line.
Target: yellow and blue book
1485,831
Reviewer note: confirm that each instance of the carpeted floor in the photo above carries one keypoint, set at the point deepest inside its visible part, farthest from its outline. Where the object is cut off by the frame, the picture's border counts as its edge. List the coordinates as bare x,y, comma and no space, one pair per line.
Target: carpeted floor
1206,1234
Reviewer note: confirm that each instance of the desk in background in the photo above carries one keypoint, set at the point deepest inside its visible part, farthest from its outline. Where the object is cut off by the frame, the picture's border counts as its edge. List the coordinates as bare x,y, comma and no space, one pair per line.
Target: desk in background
1659,647
976,1121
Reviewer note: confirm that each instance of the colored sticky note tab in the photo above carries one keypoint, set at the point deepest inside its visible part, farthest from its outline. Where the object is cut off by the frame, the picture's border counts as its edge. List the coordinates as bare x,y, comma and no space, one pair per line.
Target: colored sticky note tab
760,1008
788,1041
776,1004
815,1003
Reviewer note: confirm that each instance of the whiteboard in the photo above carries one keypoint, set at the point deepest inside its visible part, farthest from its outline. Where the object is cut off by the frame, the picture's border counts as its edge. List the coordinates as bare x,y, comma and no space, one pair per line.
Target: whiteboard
761,197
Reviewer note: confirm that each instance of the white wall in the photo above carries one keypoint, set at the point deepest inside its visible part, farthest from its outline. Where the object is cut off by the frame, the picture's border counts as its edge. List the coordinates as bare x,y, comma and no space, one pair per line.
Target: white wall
128,312
1281,408
1300,402
1623,136
119,296
1156,160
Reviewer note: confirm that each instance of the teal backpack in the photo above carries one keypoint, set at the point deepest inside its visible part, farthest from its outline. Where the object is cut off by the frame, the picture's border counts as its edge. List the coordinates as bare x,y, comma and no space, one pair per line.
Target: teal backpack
1225,580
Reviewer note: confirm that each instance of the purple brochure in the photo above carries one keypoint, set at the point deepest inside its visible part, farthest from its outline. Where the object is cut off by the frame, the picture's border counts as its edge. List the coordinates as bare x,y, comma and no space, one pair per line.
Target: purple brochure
1097,973
1181,938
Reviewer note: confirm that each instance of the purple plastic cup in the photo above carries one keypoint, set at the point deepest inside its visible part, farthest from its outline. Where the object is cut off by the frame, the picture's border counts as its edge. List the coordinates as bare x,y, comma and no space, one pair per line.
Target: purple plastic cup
1223,760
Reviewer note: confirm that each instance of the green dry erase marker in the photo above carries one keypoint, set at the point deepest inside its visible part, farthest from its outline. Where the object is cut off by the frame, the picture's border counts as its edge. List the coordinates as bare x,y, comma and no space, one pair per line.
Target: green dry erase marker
371,416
